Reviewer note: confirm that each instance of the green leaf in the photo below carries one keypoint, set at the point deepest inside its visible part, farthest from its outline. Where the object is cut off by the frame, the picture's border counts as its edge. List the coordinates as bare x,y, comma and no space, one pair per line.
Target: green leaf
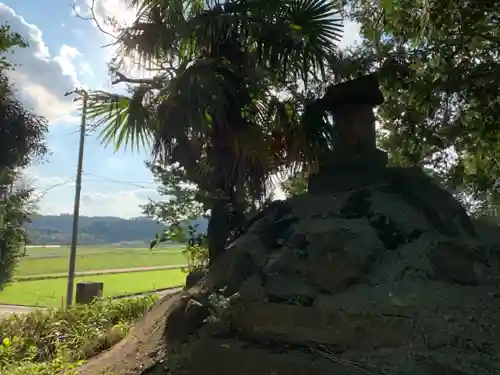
153,244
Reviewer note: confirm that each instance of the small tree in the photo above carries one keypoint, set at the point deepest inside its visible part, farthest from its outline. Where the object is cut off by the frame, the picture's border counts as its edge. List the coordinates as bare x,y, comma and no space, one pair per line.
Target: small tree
21,143
184,203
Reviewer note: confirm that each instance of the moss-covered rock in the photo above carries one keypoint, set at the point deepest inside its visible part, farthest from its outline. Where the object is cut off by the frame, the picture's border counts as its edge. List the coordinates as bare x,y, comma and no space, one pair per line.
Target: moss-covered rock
388,277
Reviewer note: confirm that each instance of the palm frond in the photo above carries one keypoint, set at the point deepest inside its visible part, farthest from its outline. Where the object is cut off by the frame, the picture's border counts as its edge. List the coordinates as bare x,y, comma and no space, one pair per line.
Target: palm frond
300,37
162,29
125,120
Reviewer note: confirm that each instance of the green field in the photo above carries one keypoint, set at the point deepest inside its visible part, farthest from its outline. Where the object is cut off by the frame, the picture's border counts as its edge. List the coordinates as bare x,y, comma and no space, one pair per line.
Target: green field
34,252
51,292
49,262
95,259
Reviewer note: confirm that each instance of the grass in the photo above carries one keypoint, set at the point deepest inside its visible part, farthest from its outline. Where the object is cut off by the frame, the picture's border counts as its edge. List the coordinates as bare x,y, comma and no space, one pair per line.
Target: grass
92,260
51,292
63,251
57,342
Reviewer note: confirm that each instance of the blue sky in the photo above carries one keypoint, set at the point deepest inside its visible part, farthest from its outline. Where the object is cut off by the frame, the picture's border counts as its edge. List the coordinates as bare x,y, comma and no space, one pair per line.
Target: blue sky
66,52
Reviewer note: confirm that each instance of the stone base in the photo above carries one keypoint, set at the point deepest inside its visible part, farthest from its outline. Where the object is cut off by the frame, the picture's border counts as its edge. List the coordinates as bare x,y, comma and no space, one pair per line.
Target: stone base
385,279
340,173
216,357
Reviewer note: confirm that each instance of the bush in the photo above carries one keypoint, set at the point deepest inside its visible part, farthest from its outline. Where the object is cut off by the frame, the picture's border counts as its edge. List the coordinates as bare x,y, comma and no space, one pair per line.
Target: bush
12,235
57,341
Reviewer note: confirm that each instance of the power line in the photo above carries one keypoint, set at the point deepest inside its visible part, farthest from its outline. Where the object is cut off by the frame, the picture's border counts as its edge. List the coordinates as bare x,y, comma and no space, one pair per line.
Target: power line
139,184
131,184
56,185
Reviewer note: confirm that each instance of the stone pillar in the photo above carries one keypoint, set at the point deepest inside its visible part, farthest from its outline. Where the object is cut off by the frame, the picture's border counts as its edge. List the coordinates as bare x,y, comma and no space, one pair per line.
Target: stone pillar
88,291
354,160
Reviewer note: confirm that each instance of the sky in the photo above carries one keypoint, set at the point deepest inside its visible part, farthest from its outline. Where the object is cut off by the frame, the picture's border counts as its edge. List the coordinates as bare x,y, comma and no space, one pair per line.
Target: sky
67,52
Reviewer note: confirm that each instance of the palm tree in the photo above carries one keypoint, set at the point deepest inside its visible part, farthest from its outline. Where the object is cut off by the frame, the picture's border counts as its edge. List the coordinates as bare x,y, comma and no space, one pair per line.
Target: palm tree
213,104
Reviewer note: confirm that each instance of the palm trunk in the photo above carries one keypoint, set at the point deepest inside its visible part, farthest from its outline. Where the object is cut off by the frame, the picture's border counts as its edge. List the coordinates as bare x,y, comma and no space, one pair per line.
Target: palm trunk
218,231
219,225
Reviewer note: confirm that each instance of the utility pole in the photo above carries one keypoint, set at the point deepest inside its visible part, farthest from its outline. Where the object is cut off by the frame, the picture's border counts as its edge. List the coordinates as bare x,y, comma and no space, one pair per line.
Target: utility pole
78,188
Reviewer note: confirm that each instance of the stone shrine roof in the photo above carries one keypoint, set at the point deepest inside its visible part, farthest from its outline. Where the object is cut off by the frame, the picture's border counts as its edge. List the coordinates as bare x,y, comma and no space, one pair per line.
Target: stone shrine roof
362,90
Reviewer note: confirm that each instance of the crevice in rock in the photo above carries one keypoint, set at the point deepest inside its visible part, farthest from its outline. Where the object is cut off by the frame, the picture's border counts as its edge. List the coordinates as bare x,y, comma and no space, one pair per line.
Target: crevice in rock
300,300
275,345
389,233
298,241
276,234
415,271
357,206
280,209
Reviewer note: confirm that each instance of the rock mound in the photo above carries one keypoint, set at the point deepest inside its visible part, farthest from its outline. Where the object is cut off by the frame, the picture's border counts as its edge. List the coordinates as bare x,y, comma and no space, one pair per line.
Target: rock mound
381,276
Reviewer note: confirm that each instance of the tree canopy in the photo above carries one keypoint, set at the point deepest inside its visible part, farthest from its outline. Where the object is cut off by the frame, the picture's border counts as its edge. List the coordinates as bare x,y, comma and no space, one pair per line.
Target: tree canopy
22,132
442,106
445,112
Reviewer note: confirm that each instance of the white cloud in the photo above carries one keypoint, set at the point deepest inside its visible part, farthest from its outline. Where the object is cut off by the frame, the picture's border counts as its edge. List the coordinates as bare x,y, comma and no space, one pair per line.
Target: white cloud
118,10
123,203
56,195
110,16
86,68
107,13
65,60
40,78
115,163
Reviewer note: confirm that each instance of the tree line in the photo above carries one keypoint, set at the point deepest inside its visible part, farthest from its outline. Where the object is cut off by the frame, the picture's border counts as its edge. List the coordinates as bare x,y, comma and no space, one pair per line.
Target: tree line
56,230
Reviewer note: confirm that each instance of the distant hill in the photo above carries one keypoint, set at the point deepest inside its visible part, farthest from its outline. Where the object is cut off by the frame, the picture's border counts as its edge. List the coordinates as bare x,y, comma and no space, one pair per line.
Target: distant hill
95,230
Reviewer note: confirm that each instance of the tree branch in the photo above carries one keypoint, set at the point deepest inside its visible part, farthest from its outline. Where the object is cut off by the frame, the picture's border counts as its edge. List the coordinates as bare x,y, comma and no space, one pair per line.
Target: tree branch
159,67
92,17
120,77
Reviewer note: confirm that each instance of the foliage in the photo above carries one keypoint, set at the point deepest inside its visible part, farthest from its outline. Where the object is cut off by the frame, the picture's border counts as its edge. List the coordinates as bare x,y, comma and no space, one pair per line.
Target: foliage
444,110
21,142
225,63
296,184
8,40
22,132
56,341
196,249
184,205
184,200
221,307
12,237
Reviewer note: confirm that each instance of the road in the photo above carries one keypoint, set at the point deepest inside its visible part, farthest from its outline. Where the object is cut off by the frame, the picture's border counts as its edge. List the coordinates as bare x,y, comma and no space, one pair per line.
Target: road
16,309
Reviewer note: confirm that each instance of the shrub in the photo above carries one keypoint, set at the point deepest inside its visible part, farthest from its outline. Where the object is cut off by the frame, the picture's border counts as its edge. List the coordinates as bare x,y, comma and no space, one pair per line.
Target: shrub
57,341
